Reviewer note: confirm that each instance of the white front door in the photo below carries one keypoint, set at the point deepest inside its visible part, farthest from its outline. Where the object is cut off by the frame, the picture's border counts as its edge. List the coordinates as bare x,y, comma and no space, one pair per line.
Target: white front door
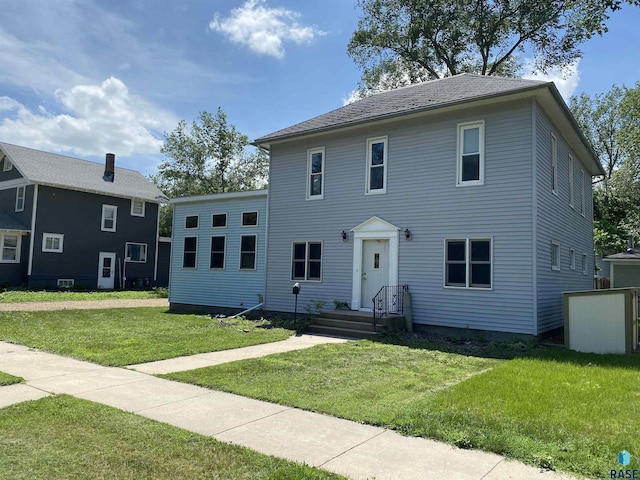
106,270
375,270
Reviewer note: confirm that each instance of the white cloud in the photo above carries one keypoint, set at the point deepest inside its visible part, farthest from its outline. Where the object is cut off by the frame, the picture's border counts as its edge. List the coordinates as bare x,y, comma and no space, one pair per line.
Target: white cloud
566,80
264,29
98,119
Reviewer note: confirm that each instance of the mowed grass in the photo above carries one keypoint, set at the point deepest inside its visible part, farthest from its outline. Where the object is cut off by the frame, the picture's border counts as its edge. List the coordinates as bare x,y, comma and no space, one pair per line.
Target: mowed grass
132,335
64,437
363,381
550,407
21,296
6,379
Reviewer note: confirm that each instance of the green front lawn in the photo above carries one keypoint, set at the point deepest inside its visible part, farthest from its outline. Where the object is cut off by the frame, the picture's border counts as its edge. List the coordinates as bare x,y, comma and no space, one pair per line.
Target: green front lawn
64,437
547,407
132,335
6,379
19,296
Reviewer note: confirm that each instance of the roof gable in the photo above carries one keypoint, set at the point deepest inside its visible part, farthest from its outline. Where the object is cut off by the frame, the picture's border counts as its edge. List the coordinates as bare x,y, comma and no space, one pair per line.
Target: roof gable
76,174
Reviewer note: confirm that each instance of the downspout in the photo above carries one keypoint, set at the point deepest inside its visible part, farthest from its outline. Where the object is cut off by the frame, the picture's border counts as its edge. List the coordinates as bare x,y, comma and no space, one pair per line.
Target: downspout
155,267
534,212
266,232
33,230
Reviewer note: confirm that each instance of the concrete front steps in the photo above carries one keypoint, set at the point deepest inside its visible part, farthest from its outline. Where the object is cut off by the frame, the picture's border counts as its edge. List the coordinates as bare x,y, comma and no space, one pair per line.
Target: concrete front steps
352,324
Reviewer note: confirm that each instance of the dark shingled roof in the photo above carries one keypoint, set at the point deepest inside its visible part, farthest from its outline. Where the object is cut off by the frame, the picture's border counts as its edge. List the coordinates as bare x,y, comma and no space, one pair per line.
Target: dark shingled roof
76,174
411,99
630,254
9,223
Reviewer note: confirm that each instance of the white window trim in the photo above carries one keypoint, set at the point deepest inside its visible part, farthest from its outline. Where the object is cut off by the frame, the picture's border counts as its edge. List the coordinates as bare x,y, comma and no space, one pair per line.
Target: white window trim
144,204
20,199
7,165
18,246
310,153
224,252
571,192
115,218
553,259
65,283
554,164
255,261
191,228
146,251
226,219
572,259
460,148
59,236
585,267
195,264
582,194
306,261
250,226
370,141
467,256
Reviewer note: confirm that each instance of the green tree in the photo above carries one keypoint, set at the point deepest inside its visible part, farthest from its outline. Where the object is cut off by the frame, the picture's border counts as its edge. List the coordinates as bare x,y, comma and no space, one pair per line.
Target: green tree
207,156
398,42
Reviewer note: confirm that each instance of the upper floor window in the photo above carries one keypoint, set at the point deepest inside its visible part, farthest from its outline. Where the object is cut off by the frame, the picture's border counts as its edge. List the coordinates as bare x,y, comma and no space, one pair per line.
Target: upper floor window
219,220
136,252
109,216
315,174
7,165
137,207
554,164
191,221
555,256
248,247
468,263
582,193
570,181
9,248
20,196
190,252
377,165
470,164
249,219
52,242
306,261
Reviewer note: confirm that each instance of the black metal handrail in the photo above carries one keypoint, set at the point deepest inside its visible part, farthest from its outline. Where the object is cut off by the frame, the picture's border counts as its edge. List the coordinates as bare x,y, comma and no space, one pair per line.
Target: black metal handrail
388,300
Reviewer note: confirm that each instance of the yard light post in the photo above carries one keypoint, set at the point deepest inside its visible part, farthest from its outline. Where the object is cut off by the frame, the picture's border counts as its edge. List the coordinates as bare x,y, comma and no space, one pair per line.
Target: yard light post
296,291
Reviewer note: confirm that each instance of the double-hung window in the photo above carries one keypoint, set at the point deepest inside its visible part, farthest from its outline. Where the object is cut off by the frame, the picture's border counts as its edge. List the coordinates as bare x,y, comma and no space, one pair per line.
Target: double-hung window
315,174
109,217
190,252
585,269
137,207
376,165
468,263
52,242
10,247
572,259
554,164
306,261
248,248
20,196
555,256
136,252
7,165
470,163
217,252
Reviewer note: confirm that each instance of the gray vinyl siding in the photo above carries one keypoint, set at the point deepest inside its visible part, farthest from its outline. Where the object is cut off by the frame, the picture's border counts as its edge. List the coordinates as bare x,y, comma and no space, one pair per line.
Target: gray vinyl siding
231,287
77,215
558,222
421,196
10,175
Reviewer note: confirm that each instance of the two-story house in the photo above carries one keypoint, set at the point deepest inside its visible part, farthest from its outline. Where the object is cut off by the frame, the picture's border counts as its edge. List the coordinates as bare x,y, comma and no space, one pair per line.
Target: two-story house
68,222
473,191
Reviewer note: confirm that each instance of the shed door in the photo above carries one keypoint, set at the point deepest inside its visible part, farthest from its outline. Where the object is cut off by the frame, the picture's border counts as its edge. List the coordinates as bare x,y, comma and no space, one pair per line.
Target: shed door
106,270
375,269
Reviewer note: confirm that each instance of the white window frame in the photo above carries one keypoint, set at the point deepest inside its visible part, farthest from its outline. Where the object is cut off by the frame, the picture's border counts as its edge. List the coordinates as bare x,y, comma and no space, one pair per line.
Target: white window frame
582,194
127,258
226,218
106,208
385,160
310,174
224,252
53,236
585,269
554,164
3,237
66,283
186,217
21,195
307,260
255,254
468,263
195,252
555,256
571,192
7,165
249,225
572,259
133,203
462,127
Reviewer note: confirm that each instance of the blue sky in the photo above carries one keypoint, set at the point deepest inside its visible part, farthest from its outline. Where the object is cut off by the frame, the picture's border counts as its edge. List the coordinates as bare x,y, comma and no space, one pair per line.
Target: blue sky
86,77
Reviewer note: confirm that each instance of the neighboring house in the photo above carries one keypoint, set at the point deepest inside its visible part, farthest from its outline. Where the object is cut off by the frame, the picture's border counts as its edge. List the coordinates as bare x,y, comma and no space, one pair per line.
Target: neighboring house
66,222
473,191
624,268
218,251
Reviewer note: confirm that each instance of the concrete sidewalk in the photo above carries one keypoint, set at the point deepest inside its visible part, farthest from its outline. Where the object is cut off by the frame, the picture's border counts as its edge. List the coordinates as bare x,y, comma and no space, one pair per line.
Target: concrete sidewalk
341,446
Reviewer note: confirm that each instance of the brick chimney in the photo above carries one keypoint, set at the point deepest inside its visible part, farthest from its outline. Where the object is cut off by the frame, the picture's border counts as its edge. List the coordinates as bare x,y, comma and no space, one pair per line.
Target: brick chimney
109,167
